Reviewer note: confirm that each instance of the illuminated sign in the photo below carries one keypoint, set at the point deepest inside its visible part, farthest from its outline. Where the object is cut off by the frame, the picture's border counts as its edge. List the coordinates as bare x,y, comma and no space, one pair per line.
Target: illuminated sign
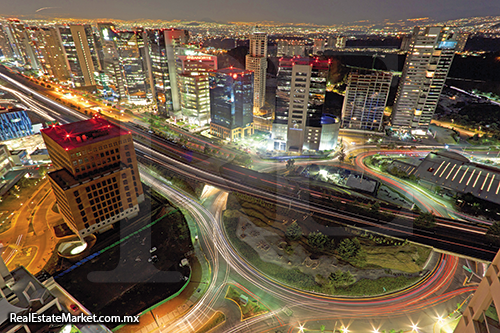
105,33
199,57
447,45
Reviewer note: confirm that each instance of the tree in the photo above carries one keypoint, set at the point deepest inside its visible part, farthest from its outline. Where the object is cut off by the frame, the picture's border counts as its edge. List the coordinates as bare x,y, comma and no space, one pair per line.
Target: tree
425,220
340,279
290,164
349,248
342,155
293,232
317,240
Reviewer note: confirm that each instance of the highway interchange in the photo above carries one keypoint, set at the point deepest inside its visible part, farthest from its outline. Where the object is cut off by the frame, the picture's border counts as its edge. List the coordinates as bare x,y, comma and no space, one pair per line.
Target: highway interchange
227,267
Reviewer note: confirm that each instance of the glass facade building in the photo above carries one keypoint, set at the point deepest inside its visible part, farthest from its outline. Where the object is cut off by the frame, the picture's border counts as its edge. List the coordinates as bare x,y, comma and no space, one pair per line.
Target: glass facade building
365,100
231,103
14,124
79,45
161,44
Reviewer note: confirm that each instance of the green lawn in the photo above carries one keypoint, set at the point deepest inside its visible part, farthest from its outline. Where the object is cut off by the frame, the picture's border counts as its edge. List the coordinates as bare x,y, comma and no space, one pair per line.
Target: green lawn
295,278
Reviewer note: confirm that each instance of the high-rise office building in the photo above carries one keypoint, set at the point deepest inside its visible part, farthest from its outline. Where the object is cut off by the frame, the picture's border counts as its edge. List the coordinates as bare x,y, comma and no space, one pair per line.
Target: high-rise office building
330,42
50,52
193,68
20,43
130,45
5,42
341,42
124,72
291,47
405,43
79,45
111,81
318,46
231,103
256,61
162,45
300,97
14,124
365,100
97,180
336,42
424,74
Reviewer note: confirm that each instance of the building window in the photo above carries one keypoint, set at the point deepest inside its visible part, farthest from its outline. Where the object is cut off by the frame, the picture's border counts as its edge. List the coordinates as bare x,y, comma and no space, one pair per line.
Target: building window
78,200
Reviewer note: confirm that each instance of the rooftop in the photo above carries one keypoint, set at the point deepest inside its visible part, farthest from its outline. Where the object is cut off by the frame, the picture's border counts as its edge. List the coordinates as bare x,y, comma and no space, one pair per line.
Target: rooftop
312,61
64,179
454,171
81,133
233,70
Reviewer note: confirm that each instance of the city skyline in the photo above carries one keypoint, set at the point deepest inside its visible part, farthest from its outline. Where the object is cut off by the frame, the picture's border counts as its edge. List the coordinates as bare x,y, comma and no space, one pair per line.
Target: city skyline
317,12
188,176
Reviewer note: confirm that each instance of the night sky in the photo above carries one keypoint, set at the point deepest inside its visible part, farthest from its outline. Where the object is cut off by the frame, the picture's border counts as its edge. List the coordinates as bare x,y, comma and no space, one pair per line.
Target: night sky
297,11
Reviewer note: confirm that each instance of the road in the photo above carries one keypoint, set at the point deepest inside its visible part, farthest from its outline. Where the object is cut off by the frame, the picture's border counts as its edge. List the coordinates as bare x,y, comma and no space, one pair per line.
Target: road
306,306
446,241
436,293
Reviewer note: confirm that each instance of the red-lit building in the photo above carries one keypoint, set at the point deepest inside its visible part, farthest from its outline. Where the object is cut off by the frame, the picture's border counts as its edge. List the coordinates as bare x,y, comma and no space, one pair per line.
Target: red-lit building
97,180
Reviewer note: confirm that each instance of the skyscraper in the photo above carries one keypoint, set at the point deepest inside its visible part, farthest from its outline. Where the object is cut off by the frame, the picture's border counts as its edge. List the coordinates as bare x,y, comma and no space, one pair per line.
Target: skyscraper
256,61
130,45
341,42
193,68
50,52
81,53
231,103
300,97
20,43
97,180
319,45
365,100
424,74
291,47
5,42
111,79
162,44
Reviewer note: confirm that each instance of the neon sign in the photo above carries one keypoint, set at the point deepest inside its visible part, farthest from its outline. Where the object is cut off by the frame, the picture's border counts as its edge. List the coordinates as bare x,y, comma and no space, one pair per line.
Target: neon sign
199,57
